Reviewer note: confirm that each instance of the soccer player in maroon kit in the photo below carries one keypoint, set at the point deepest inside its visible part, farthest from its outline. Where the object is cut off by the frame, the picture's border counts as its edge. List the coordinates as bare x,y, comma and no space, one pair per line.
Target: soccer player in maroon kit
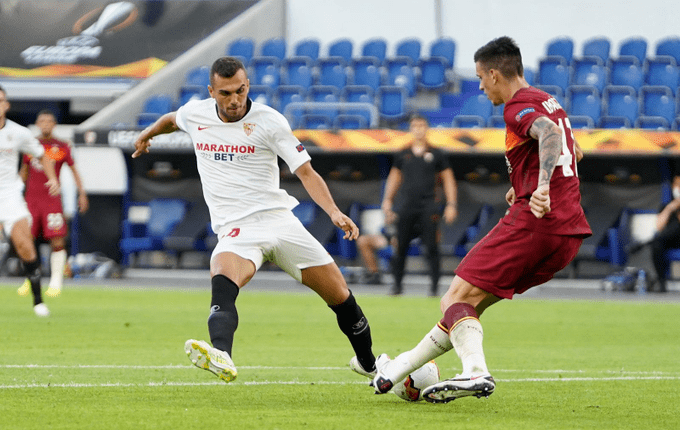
47,211
540,235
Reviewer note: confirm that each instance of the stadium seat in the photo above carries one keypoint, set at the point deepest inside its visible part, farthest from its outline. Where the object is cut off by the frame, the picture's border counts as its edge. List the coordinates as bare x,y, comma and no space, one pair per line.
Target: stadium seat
358,93
367,71
581,121
305,211
409,48
332,71
275,47
350,122
158,104
562,47
529,76
663,70
401,74
620,101
198,76
319,93
243,47
656,123
440,118
375,48
445,48
626,70
266,71
496,121
614,122
191,92
298,71
554,91
392,102
584,100
287,94
261,94
468,121
308,48
635,46
589,71
669,46
598,47
145,119
657,101
342,48
553,70
432,73
478,105
315,121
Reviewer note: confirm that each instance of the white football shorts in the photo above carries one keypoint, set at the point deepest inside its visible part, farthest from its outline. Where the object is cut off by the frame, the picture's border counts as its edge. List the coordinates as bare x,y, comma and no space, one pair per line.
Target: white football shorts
276,236
12,209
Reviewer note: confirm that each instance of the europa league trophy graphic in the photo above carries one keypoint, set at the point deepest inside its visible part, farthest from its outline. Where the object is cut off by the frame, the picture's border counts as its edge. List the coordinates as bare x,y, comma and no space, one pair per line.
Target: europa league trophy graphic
111,14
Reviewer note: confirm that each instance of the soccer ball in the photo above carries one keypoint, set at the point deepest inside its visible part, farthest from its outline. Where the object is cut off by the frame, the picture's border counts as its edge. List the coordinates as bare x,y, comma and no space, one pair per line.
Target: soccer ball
411,388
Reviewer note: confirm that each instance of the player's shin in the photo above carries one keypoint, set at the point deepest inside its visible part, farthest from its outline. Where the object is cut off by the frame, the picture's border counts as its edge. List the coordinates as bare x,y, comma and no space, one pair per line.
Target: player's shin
32,272
354,325
223,319
434,344
57,263
466,335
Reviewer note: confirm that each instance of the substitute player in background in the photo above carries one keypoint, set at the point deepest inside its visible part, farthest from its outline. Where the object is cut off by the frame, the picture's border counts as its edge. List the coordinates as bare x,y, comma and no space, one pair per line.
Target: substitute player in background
14,215
539,236
237,142
47,211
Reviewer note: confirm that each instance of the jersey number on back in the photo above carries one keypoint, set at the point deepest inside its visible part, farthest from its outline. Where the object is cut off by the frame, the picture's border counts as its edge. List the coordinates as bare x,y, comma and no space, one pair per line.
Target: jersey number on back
567,157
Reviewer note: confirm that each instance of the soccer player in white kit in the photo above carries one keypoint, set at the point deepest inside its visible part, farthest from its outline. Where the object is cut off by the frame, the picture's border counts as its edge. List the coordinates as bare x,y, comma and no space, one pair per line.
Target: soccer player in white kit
14,215
237,142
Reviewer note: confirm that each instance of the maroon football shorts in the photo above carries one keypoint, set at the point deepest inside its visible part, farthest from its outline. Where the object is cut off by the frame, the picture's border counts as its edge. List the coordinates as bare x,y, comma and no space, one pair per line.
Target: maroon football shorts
511,260
48,217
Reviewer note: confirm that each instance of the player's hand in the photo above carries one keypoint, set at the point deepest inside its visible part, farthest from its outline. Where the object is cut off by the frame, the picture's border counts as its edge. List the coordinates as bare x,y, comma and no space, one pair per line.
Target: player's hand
142,145
540,201
346,224
510,196
450,214
83,203
53,187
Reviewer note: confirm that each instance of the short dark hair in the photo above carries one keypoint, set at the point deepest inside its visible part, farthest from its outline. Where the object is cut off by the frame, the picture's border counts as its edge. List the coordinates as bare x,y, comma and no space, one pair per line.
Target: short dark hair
226,67
417,116
503,55
47,112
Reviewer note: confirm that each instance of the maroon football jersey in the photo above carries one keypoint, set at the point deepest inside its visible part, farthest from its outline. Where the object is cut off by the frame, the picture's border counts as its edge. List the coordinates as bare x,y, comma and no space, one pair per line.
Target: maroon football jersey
55,149
521,151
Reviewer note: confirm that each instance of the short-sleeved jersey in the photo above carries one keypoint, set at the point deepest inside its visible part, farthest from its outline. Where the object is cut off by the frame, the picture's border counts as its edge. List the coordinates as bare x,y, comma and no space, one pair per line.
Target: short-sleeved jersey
55,149
521,150
419,174
237,161
13,140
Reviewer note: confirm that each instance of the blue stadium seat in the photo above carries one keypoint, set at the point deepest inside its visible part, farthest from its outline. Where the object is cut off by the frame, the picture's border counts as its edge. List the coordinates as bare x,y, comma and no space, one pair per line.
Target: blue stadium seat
432,73
663,70
367,71
158,104
468,121
274,47
261,94
266,71
478,105
445,48
298,71
308,48
440,118
562,47
598,47
589,71
145,119
342,48
496,121
191,92
621,101
243,47
305,212
554,91
584,100
669,46
553,70
400,74
315,121
626,70
614,122
350,122
656,123
287,94
657,101
581,121
392,102
530,76
326,94
635,46
332,71
375,48
198,76
498,110
409,48
358,93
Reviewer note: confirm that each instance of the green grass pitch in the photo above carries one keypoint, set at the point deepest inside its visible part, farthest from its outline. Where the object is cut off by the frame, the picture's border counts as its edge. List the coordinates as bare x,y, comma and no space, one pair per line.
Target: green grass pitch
113,359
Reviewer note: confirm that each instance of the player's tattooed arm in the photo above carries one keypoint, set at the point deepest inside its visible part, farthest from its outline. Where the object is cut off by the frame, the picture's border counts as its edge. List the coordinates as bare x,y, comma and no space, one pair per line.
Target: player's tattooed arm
549,139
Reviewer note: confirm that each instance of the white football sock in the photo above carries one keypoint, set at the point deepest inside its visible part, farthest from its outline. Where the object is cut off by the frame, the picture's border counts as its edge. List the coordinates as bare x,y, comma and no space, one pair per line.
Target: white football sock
57,263
434,344
466,338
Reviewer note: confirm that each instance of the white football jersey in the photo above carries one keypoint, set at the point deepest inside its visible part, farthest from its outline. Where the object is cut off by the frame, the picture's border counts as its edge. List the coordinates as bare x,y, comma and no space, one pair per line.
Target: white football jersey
237,161
13,140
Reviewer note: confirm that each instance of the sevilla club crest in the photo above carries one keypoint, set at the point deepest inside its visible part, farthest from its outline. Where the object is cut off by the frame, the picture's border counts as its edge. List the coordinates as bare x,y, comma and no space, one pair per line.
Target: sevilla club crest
248,127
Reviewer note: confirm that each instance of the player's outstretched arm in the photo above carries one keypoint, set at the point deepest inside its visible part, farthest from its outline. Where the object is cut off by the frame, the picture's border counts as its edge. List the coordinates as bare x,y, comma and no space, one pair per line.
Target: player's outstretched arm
318,190
163,125
52,183
549,139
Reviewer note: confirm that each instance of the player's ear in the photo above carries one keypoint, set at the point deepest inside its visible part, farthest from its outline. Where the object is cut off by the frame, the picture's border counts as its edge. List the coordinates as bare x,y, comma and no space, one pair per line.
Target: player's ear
210,91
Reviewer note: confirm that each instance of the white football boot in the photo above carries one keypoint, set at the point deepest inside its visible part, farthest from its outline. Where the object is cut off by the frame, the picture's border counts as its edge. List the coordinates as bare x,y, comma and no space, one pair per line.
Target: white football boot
381,383
206,357
460,386
41,310
356,366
